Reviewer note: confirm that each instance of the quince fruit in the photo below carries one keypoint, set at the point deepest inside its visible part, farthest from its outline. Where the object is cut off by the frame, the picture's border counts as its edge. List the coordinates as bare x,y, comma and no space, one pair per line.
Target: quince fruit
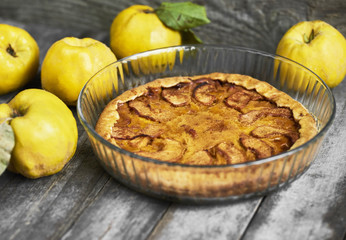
70,63
138,29
45,133
19,58
318,46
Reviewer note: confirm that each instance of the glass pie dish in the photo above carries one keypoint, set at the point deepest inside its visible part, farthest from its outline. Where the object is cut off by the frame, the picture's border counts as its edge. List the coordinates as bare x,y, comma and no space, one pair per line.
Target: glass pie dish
205,183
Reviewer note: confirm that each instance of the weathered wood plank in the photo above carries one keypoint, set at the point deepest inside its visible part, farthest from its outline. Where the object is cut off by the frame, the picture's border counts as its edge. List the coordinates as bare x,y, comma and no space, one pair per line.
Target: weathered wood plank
118,213
224,221
314,206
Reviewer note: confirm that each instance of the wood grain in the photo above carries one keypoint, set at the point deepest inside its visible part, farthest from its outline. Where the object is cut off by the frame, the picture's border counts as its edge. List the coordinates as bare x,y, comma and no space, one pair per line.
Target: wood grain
118,213
223,221
84,202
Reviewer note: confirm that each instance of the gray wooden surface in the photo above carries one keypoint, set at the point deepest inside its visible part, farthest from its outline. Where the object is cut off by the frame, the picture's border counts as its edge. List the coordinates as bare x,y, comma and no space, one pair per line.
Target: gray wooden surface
84,202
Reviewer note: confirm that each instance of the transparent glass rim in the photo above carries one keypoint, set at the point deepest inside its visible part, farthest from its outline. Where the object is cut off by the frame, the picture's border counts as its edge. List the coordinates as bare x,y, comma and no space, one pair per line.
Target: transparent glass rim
282,155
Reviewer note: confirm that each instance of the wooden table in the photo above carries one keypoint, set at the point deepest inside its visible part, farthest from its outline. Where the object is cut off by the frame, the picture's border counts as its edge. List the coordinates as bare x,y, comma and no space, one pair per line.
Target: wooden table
84,202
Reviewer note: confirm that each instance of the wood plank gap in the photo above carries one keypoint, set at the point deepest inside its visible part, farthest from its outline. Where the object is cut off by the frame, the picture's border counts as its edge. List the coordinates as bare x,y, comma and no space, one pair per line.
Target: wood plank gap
92,196
243,232
159,223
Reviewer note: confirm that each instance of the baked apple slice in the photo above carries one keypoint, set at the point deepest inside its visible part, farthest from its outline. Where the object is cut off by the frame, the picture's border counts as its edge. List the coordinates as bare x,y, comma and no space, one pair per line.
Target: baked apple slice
168,150
178,96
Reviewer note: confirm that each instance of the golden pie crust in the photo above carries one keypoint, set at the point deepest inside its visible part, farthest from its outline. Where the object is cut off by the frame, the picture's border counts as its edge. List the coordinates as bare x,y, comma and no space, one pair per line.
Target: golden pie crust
212,119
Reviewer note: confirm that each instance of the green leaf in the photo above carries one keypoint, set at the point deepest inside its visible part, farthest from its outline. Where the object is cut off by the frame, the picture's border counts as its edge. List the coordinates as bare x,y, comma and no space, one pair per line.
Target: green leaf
189,37
182,16
6,145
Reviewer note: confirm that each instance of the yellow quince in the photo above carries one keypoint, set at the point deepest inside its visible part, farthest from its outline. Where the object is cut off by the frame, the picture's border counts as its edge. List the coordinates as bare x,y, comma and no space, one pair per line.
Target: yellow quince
70,63
45,133
19,58
138,29
318,46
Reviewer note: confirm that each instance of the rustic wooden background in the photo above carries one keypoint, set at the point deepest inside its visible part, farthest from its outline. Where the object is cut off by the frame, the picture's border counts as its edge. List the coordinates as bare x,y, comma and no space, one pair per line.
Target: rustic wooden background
251,23
84,202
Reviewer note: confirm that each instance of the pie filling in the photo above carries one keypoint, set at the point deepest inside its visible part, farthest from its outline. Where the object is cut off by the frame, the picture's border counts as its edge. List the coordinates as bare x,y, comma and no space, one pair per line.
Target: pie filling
203,122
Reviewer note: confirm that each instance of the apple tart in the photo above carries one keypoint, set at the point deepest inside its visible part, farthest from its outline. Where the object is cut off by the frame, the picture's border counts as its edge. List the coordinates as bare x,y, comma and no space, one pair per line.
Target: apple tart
213,119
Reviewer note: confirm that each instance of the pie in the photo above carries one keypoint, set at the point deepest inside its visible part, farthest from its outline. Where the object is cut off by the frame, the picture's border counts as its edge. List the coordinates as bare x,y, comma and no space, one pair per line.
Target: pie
213,119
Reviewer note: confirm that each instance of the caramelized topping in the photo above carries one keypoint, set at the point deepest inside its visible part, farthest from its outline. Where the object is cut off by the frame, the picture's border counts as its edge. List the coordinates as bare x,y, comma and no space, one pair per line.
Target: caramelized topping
204,122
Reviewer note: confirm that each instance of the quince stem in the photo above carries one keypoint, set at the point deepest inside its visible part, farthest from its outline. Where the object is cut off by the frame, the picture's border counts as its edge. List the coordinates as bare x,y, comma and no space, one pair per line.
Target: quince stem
148,11
13,115
310,38
11,51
